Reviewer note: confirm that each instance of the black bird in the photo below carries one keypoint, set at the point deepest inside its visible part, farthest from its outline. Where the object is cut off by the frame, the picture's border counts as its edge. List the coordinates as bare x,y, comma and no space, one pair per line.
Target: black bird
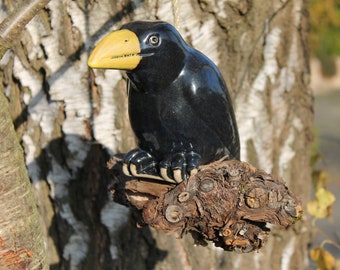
179,105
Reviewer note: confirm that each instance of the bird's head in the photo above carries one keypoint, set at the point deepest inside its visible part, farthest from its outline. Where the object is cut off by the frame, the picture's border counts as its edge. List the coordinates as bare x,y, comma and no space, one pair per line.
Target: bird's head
140,45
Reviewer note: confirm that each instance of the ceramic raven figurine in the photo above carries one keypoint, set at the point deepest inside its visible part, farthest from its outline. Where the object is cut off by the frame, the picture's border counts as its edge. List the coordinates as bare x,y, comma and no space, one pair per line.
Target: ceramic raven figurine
179,105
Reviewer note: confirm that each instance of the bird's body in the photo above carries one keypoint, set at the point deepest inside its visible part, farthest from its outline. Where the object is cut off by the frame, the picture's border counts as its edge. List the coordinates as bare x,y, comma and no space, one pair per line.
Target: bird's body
179,106
166,120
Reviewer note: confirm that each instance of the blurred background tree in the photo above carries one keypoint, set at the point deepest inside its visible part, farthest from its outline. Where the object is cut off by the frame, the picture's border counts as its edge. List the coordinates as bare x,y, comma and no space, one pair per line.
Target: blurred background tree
325,33
325,83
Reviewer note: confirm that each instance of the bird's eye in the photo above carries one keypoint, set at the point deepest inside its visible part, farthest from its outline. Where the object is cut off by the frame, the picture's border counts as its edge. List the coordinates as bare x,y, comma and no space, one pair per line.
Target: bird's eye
154,40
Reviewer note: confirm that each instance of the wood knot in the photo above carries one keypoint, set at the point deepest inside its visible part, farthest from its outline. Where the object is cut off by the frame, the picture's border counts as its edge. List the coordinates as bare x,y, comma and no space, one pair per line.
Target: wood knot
233,172
226,232
293,211
207,185
183,196
256,198
173,213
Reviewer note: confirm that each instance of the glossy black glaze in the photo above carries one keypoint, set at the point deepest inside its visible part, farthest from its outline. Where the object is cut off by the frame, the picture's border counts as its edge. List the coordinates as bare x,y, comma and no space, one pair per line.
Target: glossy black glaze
178,100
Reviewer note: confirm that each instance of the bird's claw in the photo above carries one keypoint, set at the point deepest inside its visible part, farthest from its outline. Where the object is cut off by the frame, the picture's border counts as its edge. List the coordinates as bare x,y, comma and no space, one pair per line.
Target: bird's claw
139,163
175,169
179,167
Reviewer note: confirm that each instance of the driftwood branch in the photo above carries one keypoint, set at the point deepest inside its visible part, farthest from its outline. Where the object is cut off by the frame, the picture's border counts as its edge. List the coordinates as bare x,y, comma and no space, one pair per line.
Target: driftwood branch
228,202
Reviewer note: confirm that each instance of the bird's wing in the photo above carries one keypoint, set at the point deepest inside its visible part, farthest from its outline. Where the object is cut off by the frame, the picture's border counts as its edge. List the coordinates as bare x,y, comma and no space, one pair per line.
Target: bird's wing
210,101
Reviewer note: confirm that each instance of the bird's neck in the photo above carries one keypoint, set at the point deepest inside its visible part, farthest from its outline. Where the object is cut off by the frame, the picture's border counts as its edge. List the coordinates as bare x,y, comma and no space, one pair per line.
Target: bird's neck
160,70
153,81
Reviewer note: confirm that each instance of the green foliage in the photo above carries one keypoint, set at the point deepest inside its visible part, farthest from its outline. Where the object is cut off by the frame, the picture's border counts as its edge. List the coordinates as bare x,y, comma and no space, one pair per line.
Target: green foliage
325,28
328,65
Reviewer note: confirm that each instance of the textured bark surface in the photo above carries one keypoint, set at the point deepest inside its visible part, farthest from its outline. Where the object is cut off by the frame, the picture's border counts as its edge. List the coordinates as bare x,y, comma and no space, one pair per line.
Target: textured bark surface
70,120
21,238
228,202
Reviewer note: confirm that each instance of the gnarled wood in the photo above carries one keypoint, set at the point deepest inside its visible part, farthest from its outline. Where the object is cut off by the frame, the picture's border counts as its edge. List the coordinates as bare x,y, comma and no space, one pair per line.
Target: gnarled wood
228,202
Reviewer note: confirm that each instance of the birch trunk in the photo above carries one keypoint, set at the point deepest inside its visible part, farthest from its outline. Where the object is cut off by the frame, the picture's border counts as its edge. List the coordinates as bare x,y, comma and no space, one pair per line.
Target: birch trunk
71,120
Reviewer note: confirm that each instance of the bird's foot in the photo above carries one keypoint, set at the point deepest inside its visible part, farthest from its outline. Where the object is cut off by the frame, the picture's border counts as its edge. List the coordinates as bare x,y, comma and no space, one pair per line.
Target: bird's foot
179,167
139,163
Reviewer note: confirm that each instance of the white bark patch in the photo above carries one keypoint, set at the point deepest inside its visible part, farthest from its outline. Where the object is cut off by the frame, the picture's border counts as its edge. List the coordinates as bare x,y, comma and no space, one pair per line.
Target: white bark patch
4,61
58,178
165,12
51,42
141,13
286,82
36,30
205,40
26,77
297,15
287,150
280,106
40,111
270,67
105,131
30,151
287,254
259,122
202,35
78,152
191,28
287,153
68,84
237,262
114,216
77,247
97,19
43,113
220,8
79,21
257,260
69,87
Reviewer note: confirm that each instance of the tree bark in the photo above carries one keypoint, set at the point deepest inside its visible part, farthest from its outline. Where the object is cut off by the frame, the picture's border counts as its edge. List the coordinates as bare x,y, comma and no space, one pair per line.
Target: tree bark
21,238
71,120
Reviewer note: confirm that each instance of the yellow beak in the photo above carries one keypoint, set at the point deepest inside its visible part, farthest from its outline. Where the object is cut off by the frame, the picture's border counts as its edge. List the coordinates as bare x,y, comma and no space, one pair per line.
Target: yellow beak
118,50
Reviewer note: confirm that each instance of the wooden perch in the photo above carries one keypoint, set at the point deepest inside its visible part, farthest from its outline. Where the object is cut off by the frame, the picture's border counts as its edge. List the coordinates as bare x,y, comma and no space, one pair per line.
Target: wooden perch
228,202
